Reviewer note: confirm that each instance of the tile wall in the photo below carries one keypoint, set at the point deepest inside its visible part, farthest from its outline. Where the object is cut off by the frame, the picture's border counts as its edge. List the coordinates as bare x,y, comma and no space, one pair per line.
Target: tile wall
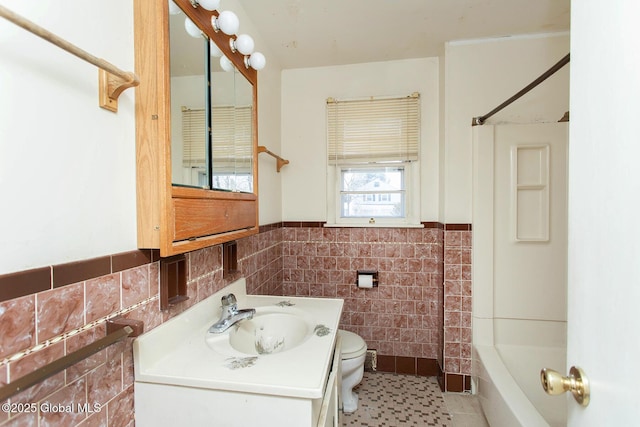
457,307
402,317
418,318
46,303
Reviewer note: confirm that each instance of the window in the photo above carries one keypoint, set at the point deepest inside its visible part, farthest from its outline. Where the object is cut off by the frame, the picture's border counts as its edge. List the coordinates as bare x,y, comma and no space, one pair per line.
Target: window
373,161
372,192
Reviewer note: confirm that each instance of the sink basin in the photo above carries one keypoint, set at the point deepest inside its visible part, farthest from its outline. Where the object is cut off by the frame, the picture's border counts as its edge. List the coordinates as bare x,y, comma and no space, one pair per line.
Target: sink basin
181,361
269,333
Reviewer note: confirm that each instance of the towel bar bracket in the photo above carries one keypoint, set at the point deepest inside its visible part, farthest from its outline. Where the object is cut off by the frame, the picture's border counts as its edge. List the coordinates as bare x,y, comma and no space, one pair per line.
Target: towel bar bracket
280,162
110,87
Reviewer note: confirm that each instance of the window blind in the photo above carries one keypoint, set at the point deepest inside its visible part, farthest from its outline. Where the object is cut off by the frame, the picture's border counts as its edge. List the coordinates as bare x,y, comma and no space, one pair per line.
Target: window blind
193,138
232,140
374,130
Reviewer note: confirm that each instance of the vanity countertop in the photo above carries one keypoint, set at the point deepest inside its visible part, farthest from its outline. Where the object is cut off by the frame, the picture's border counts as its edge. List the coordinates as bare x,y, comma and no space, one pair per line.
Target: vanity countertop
177,353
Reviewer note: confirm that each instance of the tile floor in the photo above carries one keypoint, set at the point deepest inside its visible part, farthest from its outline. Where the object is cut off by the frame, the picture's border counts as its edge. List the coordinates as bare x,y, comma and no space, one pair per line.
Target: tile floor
392,400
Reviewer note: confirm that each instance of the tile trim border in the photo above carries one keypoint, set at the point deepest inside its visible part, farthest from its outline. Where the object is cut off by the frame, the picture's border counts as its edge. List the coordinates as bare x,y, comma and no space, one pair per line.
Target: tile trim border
458,227
408,365
23,283
319,224
455,383
269,227
29,282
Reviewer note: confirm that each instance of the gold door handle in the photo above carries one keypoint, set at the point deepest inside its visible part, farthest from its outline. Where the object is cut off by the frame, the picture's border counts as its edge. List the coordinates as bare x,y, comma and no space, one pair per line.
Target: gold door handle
577,383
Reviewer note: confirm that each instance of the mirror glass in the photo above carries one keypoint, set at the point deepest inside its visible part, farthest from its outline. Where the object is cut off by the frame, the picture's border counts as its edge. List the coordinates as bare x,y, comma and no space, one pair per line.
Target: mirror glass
232,136
206,97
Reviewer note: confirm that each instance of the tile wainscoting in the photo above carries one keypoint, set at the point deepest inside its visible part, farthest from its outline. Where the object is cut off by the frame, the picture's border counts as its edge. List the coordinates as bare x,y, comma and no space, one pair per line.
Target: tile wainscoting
49,303
402,316
418,318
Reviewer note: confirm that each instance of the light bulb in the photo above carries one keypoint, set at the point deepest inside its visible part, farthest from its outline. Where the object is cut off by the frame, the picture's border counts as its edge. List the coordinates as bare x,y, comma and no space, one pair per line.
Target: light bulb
173,8
192,29
226,64
214,50
227,22
243,44
257,61
209,4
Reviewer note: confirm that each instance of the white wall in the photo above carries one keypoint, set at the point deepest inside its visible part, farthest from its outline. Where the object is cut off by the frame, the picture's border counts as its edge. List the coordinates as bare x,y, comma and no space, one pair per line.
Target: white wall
304,95
269,185
470,80
269,181
67,167
479,76
441,135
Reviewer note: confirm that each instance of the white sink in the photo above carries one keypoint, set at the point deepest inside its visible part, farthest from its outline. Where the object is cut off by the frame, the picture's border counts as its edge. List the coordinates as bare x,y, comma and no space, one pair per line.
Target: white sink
273,329
270,332
181,352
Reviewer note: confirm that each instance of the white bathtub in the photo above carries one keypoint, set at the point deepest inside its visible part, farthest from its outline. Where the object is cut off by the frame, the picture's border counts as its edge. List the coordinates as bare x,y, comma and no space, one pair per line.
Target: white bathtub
507,381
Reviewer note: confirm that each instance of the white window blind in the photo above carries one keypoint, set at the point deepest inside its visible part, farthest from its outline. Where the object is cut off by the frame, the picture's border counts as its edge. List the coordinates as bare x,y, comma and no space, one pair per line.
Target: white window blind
193,138
374,130
232,140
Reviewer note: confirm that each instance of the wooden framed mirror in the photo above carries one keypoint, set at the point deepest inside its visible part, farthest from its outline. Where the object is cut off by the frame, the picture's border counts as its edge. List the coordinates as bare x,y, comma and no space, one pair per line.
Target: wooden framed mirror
173,215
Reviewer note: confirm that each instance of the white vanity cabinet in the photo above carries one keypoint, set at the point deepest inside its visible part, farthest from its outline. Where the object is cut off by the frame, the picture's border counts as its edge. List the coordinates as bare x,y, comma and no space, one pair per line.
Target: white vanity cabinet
330,410
180,380
171,405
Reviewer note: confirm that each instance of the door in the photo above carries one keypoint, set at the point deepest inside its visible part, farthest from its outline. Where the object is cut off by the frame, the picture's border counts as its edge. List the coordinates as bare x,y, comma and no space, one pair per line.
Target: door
604,278
604,207
604,270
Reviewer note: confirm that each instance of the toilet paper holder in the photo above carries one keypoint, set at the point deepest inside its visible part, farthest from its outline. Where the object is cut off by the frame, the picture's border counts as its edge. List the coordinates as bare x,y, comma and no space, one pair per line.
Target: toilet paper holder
372,273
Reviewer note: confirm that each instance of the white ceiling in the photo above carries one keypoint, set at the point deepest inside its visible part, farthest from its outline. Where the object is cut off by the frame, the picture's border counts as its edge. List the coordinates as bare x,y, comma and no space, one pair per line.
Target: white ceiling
312,33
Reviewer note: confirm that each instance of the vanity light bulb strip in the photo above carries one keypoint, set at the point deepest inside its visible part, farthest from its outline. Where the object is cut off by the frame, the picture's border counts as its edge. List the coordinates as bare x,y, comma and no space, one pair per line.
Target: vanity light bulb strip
58,338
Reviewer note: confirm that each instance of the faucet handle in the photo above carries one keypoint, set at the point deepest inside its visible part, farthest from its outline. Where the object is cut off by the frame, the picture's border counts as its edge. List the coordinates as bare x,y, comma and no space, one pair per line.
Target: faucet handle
229,300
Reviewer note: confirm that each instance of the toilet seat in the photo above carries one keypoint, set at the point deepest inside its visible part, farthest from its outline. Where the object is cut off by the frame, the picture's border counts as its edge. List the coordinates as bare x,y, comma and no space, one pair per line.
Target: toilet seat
352,345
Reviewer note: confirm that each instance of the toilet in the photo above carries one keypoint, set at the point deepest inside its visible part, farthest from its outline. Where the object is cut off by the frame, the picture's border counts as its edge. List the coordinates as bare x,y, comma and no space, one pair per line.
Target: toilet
353,354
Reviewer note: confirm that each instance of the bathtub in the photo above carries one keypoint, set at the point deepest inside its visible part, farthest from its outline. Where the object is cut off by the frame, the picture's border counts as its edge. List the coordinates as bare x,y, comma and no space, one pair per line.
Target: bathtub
507,382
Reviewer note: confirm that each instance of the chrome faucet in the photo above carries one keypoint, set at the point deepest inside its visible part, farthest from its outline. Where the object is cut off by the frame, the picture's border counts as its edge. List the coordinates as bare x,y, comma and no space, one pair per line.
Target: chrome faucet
230,314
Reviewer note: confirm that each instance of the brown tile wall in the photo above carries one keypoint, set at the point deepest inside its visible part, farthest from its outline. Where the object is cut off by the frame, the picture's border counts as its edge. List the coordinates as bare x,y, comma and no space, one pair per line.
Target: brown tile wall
48,302
419,314
402,317
457,305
